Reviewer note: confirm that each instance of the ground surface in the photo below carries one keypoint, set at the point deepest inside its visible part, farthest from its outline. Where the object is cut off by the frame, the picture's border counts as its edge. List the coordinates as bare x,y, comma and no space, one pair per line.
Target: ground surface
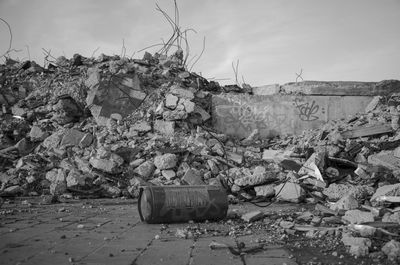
109,231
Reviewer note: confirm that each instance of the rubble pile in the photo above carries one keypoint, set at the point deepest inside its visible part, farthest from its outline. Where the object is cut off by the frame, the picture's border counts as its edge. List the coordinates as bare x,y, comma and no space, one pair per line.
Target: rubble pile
88,127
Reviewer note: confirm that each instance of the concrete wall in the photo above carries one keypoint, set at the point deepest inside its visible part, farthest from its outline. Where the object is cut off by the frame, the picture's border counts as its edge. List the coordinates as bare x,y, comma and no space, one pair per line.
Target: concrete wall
239,115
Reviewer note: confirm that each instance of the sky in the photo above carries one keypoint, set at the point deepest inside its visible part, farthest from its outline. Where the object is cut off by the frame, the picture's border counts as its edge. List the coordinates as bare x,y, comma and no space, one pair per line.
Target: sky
340,40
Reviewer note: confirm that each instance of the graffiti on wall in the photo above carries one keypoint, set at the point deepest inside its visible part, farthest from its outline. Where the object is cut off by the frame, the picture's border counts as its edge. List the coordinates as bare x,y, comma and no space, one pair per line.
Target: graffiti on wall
247,117
307,111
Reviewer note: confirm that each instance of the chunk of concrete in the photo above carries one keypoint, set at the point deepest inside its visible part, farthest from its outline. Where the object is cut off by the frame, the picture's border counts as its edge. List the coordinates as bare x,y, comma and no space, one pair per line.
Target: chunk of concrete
110,165
193,177
72,137
171,101
347,202
386,190
257,179
358,217
392,249
359,246
265,190
252,216
164,127
182,92
289,191
75,178
118,94
165,161
146,169
141,126
168,174
337,191
37,134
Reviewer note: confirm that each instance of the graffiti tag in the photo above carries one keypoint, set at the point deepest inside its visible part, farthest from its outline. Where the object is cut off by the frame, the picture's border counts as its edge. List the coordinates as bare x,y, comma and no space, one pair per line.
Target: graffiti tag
306,110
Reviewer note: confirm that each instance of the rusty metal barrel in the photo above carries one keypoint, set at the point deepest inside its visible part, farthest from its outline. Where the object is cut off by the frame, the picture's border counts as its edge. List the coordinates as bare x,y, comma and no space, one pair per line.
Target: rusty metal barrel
173,204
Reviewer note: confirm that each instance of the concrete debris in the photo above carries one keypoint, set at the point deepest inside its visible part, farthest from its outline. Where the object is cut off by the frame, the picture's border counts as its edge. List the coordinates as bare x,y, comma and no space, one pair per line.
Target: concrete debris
105,126
392,249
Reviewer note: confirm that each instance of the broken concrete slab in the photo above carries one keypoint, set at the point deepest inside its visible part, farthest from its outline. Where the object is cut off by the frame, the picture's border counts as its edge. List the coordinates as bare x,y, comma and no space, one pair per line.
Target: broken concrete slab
116,94
385,159
386,190
364,131
252,216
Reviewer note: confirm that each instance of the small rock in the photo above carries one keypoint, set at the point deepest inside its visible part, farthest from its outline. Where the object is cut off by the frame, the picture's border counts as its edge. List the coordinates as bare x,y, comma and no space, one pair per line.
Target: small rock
111,191
164,127
348,202
193,177
358,217
141,126
111,165
392,249
146,170
37,134
171,101
290,192
168,174
359,246
387,190
75,178
165,161
265,190
252,216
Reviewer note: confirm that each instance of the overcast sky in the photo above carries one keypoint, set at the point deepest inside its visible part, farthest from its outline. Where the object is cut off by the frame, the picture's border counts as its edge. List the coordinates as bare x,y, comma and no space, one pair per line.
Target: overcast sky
356,40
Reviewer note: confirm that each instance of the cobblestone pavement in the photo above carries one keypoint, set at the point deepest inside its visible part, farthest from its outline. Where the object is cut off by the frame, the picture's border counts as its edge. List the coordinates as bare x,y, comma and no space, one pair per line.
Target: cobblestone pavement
110,232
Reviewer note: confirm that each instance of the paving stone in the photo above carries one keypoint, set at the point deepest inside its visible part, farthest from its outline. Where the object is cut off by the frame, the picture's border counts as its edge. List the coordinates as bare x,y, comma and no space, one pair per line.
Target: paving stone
165,161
